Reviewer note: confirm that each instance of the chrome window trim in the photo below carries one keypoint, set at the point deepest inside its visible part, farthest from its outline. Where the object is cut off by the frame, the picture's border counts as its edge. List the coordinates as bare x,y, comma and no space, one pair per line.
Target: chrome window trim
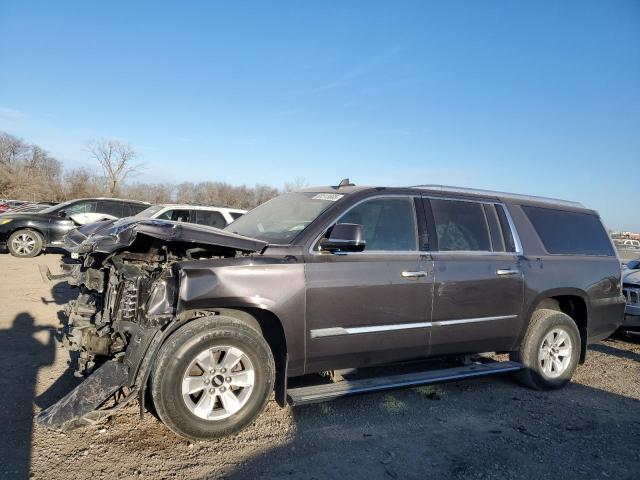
340,331
378,252
512,227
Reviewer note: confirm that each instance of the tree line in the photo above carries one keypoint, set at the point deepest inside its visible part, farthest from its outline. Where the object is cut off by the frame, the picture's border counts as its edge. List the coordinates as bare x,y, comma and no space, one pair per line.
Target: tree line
28,172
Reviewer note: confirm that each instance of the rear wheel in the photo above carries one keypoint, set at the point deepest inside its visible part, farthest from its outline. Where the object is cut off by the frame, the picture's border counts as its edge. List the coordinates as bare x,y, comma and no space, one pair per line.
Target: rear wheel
550,350
212,377
25,243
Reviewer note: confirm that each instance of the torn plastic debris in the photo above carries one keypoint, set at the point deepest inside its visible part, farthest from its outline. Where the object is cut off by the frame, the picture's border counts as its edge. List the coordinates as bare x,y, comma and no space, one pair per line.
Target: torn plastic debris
78,407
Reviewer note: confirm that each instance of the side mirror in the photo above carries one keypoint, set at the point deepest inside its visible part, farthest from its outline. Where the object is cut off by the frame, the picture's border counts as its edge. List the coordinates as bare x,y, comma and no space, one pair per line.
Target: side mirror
344,237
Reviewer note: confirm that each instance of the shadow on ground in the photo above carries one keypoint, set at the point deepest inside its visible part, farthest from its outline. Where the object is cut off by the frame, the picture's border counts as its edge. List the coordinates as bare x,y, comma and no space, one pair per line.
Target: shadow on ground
489,428
22,357
26,348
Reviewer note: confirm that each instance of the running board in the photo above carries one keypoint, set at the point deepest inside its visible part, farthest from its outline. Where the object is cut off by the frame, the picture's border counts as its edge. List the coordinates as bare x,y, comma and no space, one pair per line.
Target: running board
331,391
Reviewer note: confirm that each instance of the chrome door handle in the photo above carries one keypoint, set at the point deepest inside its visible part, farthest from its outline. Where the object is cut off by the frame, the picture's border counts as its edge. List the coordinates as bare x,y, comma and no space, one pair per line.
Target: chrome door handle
413,275
507,272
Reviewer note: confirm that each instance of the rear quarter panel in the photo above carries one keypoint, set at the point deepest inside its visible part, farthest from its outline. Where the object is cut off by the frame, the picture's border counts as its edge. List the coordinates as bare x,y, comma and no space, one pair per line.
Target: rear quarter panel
596,279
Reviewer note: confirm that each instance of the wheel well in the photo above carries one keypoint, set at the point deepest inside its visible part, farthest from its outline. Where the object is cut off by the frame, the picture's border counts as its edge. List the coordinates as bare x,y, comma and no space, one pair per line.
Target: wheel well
576,308
269,325
30,229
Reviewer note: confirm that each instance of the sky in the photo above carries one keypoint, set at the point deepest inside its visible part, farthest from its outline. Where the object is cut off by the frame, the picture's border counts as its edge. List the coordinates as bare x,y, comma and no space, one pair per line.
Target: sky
533,97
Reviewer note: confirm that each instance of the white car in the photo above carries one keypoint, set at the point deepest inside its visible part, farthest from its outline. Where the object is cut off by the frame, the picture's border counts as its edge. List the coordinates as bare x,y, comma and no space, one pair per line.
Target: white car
218,217
628,243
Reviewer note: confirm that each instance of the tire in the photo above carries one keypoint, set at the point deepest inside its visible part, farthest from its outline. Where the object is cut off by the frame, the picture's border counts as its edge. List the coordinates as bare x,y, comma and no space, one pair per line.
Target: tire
551,337
211,410
25,243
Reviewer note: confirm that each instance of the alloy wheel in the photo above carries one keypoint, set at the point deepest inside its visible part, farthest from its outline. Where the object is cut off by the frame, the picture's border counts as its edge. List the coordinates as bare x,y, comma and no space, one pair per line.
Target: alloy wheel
218,382
555,353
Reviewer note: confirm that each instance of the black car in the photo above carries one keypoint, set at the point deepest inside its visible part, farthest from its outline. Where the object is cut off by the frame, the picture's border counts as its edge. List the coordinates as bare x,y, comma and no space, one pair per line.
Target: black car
27,234
207,323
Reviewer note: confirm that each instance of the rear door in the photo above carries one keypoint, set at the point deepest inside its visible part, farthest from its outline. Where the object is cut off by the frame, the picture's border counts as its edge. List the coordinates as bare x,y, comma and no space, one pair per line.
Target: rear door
479,292
374,306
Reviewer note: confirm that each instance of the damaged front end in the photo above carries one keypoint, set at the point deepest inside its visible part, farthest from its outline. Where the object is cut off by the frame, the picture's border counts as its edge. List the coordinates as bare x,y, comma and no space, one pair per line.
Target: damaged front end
128,279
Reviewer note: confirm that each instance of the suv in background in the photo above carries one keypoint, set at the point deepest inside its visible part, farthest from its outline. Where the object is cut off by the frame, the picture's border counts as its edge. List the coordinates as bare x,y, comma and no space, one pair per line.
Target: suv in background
218,217
27,234
206,324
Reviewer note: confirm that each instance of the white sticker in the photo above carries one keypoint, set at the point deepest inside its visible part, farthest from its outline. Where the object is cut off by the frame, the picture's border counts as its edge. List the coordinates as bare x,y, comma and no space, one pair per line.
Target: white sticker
332,197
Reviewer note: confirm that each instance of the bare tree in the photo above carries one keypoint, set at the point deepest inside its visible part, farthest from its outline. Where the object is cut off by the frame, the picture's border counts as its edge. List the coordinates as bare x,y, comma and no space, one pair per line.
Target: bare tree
117,160
297,183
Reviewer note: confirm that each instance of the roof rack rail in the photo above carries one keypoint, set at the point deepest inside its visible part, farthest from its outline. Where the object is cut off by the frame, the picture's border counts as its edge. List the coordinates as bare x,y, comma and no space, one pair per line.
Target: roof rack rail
511,196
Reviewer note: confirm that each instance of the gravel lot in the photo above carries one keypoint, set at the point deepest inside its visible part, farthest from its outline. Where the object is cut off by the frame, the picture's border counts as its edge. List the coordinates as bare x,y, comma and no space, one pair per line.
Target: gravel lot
489,428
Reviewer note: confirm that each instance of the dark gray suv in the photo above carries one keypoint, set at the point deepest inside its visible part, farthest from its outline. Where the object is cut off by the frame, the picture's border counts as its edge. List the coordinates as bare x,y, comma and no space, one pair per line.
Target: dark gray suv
210,322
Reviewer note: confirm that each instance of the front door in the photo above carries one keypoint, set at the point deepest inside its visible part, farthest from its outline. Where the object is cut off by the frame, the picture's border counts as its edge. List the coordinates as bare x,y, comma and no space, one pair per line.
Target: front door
478,295
374,306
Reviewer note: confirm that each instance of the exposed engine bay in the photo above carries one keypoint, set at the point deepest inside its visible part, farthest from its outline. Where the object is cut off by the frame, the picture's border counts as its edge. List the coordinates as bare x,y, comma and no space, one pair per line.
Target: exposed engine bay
128,280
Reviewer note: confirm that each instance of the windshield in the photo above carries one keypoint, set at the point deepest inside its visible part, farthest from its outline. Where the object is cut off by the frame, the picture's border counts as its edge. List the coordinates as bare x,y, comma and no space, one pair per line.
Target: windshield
281,219
149,212
55,208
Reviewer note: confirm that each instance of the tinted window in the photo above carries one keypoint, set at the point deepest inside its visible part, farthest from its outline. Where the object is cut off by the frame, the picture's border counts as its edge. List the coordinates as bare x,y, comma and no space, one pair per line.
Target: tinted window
110,208
507,234
210,218
565,232
175,215
387,223
461,226
235,215
497,238
134,208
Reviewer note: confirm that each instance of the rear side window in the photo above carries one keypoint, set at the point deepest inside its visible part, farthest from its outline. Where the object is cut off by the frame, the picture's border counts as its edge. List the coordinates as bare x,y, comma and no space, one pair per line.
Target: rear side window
210,218
110,208
569,233
461,226
175,215
131,209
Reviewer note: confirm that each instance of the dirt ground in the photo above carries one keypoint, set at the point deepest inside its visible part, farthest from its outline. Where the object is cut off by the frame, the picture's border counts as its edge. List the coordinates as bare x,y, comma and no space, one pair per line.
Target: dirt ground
478,429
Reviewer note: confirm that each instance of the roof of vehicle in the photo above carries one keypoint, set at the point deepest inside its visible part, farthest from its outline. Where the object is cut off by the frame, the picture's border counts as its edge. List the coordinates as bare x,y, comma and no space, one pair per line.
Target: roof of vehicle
116,199
467,192
202,207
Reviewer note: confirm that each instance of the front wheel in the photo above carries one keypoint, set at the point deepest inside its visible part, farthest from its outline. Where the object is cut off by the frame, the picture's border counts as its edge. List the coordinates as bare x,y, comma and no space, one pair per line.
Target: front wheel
25,243
550,350
212,378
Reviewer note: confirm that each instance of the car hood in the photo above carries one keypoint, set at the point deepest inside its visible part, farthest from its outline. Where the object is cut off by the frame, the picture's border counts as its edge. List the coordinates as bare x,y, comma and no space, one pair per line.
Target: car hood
39,217
116,235
632,277
78,235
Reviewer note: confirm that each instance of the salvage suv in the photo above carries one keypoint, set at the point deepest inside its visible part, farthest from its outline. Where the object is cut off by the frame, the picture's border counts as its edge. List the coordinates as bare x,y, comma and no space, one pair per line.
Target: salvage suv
202,325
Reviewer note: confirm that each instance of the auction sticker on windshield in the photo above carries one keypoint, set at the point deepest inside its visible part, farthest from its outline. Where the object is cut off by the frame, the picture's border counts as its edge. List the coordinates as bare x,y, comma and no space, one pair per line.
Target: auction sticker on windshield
332,197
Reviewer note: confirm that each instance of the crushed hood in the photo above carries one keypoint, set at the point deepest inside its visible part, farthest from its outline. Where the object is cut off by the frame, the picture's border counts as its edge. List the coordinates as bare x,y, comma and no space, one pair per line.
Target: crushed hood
108,237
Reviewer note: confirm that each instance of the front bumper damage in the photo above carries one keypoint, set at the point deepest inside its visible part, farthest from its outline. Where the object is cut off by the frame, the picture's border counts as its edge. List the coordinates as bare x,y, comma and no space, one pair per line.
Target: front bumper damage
80,407
127,304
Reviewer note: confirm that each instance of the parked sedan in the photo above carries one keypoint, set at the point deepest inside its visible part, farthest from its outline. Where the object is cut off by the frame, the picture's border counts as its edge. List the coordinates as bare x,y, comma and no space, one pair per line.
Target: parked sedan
27,234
